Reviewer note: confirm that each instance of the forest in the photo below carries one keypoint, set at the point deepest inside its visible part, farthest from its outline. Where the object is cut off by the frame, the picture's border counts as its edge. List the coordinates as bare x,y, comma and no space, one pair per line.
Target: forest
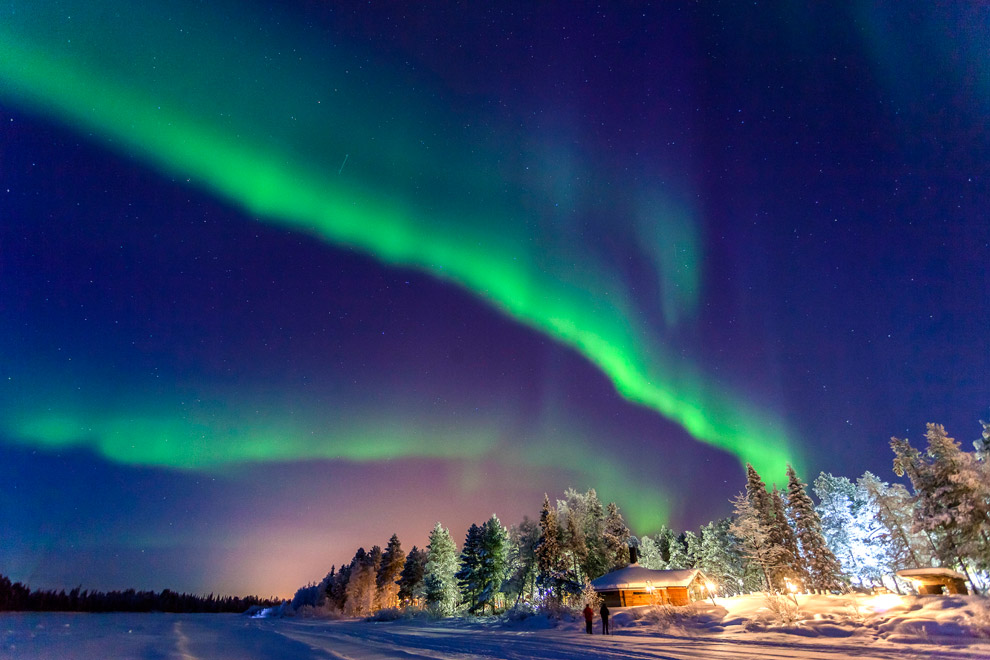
19,597
857,535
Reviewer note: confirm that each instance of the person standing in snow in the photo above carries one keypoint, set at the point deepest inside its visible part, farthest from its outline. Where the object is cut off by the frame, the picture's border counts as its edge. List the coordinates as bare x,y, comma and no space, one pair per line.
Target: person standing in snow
589,616
604,613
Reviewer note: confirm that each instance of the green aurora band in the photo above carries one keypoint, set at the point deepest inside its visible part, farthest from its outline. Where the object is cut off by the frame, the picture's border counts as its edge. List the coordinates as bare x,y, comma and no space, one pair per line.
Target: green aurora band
264,117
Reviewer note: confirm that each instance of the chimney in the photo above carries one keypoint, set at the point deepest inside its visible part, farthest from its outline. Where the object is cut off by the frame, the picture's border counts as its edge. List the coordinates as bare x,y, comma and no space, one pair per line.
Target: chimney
633,554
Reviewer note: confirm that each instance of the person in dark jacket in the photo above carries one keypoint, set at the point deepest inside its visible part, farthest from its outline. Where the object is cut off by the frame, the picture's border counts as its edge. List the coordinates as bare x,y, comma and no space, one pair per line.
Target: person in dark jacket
604,613
589,616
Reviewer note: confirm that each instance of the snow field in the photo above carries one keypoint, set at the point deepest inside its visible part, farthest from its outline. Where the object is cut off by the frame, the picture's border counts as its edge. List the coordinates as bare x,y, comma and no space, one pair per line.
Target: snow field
860,627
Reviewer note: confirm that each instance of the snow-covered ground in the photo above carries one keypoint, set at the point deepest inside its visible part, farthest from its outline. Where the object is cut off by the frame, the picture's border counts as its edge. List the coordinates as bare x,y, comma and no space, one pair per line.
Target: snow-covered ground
955,628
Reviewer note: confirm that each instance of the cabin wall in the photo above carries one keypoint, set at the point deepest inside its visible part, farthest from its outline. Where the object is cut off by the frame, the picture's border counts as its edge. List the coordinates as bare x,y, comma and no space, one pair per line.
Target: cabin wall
941,585
634,598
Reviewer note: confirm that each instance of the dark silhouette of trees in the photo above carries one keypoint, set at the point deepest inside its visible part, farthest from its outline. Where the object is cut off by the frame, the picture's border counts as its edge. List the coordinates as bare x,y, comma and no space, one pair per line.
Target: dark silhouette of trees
18,597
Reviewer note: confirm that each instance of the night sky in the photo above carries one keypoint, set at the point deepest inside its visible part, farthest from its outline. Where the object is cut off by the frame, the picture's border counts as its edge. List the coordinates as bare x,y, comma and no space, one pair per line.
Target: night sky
277,283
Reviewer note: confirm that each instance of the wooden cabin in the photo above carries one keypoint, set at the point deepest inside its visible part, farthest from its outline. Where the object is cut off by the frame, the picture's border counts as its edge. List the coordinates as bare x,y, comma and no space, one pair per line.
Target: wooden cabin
635,585
929,581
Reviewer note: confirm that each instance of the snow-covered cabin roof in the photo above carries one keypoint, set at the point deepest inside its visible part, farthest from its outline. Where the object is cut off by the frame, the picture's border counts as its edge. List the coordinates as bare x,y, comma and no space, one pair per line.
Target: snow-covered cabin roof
935,571
635,576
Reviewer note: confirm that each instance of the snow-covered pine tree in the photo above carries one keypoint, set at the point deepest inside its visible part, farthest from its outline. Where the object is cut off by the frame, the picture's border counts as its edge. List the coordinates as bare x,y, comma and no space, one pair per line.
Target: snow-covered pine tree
754,539
336,588
692,542
649,554
719,557
964,491
589,596
665,538
439,584
386,582
615,537
845,516
411,579
375,557
821,567
492,563
953,504
896,543
577,546
677,553
548,553
467,574
791,565
756,493
597,562
361,585
510,586
982,445
521,582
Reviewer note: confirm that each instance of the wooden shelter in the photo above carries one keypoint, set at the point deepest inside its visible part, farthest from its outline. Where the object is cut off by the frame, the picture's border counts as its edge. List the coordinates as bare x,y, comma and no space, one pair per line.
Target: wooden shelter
636,585
935,580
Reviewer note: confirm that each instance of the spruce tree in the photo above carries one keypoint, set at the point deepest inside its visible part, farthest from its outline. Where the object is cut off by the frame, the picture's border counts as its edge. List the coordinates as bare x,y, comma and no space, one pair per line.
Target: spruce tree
411,578
336,588
755,544
838,505
360,588
982,445
719,557
492,563
665,540
821,567
649,554
692,543
756,493
470,559
521,581
898,545
577,545
950,495
439,584
615,537
678,556
386,582
597,562
548,552
791,565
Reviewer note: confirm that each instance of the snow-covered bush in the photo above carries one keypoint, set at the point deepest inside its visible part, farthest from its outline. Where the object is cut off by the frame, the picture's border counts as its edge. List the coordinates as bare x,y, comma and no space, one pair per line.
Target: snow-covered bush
260,612
519,612
316,612
308,595
785,610
558,611
400,613
589,596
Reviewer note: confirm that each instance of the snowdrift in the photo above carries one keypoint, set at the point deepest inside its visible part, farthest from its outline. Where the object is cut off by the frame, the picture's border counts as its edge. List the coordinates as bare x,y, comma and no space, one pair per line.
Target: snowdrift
893,618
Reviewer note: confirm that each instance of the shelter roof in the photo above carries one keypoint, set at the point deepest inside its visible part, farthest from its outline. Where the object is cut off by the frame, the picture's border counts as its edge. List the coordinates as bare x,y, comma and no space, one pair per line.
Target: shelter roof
635,576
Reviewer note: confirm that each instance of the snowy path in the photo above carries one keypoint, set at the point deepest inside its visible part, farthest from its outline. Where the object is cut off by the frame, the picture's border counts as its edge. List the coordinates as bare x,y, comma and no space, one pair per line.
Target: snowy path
361,641
229,637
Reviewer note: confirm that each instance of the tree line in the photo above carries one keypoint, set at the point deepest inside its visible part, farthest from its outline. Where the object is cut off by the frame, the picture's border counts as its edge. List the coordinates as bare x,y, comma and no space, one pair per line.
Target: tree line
778,539
18,597
540,562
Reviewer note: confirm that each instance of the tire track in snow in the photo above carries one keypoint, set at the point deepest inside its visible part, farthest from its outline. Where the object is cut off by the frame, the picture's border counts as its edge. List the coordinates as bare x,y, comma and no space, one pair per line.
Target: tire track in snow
368,641
181,642
339,644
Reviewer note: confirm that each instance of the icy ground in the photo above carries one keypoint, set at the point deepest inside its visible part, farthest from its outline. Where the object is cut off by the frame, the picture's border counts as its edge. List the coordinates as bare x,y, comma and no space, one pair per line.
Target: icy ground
832,628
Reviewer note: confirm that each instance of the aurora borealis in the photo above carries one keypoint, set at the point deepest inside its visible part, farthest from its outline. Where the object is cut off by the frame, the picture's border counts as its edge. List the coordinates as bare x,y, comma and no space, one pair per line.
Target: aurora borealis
328,258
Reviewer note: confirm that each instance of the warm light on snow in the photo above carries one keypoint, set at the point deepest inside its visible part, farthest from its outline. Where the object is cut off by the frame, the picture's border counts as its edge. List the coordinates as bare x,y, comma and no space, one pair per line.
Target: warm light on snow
884,602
